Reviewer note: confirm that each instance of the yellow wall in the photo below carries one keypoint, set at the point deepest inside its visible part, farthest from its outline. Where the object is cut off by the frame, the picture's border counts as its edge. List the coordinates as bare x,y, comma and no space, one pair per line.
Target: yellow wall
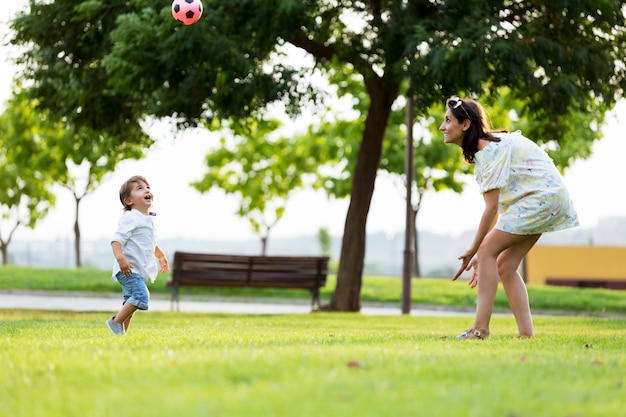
582,263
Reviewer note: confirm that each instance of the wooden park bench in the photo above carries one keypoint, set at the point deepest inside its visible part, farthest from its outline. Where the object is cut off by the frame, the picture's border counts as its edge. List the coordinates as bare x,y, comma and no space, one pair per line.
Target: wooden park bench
213,270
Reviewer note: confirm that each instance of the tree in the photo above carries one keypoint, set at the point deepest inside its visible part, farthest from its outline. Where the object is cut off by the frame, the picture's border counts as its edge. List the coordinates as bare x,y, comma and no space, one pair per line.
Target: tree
325,241
41,152
261,170
27,168
131,59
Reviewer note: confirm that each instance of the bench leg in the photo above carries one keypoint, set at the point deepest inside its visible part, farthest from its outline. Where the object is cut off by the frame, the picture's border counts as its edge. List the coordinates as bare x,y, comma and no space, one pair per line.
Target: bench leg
175,299
315,301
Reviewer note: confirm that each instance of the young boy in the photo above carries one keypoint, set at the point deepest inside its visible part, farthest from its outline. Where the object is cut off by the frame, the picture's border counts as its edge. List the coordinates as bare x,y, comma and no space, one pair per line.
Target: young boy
135,246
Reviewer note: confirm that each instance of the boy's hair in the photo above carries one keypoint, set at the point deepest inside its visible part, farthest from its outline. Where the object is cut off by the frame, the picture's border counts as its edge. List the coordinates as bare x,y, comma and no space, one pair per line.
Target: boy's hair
127,188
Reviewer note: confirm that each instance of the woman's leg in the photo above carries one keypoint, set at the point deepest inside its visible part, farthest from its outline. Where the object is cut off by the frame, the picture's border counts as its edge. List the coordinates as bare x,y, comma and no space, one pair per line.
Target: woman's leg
495,243
514,287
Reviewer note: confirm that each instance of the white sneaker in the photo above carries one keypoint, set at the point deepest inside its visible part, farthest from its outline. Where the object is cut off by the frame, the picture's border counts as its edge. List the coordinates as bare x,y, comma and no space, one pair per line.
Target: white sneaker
115,328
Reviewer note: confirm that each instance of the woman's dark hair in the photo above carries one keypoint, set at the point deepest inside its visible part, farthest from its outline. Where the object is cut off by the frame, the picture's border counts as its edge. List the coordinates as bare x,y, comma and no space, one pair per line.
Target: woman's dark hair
127,188
467,108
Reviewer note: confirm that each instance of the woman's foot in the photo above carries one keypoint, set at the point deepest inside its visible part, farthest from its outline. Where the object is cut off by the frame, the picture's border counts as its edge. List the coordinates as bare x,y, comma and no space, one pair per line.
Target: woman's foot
472,334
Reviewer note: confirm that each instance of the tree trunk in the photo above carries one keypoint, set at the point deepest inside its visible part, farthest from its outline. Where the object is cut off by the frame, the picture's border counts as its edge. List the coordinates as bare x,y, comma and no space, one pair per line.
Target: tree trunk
77,236
347,294
4,244
5,253
417,271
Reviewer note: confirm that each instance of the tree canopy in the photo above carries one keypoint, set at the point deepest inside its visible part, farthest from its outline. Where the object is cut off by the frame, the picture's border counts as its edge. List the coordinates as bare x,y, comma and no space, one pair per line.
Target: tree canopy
111,63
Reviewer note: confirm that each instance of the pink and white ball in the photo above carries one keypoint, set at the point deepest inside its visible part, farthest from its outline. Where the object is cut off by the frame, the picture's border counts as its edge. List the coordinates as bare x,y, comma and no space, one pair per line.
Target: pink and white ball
187,12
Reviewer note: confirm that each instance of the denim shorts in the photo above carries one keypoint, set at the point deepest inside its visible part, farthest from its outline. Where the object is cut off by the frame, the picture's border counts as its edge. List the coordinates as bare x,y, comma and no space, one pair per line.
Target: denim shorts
134,290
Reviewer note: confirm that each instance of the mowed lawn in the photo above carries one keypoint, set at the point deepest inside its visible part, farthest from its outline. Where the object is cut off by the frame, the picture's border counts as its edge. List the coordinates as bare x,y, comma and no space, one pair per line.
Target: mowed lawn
319,364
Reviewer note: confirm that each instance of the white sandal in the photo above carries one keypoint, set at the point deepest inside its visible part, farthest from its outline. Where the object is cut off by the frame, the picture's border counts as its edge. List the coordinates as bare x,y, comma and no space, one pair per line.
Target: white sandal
470,334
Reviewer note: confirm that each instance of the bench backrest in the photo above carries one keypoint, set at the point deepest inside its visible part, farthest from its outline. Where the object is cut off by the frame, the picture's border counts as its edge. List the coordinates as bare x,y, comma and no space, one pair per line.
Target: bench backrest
199,269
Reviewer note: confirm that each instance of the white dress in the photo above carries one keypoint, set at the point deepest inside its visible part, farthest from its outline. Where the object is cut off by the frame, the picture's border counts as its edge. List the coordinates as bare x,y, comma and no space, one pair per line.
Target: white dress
533,195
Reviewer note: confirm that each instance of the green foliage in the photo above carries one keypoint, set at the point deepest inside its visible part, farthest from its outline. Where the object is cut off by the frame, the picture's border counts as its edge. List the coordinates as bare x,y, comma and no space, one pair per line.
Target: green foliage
335,145
551,55
65,64
260,170
111,63
27,166
437,166
316,364
566,138
41,151
325,240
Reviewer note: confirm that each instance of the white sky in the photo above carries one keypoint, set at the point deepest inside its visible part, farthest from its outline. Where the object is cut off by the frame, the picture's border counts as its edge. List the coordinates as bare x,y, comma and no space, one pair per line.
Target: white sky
595,186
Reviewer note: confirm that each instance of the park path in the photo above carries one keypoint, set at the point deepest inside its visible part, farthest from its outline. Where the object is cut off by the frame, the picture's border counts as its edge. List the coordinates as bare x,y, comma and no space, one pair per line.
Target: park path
75,301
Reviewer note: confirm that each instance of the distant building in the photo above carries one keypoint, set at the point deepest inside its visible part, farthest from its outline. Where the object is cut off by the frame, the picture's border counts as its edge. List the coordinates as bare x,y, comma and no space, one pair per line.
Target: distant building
577,266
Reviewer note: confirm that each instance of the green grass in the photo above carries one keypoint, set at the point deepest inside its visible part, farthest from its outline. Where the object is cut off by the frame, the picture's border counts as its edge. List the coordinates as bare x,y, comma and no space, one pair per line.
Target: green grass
425,291
181,364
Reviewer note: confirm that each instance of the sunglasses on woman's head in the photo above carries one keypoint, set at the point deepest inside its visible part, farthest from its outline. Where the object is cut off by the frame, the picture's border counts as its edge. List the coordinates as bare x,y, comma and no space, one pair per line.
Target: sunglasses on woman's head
454,103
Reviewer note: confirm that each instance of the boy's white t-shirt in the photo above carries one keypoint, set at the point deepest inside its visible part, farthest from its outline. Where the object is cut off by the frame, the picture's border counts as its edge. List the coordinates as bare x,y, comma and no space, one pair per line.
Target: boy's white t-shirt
136,233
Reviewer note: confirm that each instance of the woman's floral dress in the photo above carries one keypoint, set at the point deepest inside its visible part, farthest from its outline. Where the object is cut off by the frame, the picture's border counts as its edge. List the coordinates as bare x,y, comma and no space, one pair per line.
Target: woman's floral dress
533,195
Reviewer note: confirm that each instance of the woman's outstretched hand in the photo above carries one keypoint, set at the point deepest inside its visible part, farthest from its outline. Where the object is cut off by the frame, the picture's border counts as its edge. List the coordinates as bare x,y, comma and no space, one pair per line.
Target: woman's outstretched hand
468,262
473,282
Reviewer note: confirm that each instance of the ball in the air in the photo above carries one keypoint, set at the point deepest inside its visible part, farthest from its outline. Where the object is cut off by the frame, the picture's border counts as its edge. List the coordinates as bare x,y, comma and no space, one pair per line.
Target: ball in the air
187,11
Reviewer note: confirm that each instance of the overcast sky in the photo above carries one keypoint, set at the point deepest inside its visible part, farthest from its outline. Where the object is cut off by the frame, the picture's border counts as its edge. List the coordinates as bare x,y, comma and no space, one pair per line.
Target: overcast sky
595,185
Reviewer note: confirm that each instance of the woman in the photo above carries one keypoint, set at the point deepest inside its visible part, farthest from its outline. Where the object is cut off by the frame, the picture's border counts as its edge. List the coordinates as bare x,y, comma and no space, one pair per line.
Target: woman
524,195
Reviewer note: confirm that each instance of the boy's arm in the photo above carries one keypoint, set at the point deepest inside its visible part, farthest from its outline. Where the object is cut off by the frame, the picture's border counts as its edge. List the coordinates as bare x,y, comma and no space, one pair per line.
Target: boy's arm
163,263
125,267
